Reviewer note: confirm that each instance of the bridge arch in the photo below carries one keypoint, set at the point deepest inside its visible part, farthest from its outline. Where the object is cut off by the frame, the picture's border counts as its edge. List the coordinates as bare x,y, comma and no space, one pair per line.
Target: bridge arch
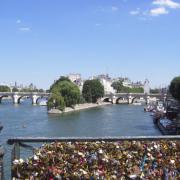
4,96
19,99
107,99
122,100
41,97
138,98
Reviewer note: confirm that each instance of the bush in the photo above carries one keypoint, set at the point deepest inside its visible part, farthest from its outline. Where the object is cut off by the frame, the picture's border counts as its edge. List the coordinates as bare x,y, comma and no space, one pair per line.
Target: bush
175,88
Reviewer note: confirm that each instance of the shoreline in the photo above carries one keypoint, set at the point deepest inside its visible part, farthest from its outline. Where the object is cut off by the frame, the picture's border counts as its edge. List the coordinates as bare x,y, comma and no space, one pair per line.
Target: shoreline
78,107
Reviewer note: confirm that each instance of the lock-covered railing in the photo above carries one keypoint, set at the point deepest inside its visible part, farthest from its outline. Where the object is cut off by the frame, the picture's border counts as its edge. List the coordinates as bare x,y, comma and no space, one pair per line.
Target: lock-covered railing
139,153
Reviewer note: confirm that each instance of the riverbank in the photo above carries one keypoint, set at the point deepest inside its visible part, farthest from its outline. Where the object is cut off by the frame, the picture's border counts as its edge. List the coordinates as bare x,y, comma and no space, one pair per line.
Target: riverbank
78,107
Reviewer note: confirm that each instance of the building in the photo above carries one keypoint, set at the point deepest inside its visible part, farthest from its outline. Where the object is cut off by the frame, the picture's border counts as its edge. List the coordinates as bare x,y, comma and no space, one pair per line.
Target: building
76,78
106,81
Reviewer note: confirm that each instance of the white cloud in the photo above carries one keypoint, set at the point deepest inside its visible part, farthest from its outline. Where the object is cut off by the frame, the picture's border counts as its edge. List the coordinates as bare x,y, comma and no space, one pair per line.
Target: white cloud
114,8
25,29
136,12
166,3
158,11
18,21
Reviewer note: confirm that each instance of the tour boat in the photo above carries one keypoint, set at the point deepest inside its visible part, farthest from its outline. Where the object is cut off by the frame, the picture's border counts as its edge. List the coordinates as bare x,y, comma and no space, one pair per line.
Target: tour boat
43,103
137,103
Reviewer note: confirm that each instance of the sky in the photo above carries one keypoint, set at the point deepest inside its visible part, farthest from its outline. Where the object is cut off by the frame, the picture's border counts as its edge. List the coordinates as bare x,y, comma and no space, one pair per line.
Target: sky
41,40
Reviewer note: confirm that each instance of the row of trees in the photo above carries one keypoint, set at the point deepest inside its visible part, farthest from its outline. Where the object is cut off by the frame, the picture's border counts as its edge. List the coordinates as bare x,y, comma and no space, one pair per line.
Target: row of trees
4,89
27,90
118,86
67,94
7,89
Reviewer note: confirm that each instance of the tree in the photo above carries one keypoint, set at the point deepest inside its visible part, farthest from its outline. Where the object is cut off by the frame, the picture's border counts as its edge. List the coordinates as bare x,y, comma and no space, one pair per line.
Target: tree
175,88
4,89
15,89
92,90
68,90
155,91
56,101
136,90
61,79
118,86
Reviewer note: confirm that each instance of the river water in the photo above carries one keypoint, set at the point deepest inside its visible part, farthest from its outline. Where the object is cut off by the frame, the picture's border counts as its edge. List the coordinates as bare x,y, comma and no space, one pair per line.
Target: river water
25,120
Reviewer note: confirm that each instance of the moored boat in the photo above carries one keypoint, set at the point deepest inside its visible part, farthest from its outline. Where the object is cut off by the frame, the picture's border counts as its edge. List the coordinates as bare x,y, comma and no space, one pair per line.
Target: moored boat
43,103
167,126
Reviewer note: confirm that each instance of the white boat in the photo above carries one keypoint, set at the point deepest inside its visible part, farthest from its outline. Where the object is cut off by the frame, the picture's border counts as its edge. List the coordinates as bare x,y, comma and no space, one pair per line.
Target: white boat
137,103
42,103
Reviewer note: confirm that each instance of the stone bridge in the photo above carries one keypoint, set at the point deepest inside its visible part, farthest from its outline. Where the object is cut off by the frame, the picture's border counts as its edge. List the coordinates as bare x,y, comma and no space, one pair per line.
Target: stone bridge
117,98
17,96
129,98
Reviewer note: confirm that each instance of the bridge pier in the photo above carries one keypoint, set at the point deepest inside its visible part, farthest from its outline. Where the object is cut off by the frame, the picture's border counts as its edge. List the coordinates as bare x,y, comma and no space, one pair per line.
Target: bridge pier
130,98
113,100
147,99
34,99
16,99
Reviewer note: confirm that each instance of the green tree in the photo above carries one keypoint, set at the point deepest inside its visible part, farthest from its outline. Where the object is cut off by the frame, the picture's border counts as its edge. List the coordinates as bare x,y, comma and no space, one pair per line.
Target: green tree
56,101
41,90
57,82
4,89
15,89
175,88
92,90
136,90
118,86
68,90
155,91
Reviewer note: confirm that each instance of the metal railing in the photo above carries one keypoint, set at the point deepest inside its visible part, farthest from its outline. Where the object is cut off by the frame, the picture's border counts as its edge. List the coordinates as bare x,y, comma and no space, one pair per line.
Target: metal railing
20,141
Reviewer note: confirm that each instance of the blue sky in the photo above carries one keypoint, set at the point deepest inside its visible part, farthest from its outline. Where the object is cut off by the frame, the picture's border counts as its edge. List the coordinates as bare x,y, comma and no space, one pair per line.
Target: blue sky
43,39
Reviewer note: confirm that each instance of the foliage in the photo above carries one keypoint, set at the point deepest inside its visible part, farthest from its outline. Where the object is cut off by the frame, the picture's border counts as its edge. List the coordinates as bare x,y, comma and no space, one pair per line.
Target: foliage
15,89
57,82
92,90
41,90
4,89
82,100
175,88
31,90
118,86
155,91
136,90
68,90
56,101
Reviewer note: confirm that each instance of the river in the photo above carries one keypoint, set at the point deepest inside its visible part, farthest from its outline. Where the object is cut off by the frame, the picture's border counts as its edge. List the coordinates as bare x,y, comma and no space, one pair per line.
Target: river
25,120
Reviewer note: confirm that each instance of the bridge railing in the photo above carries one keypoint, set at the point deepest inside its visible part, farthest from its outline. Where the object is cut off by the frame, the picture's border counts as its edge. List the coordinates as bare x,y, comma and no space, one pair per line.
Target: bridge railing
19,142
